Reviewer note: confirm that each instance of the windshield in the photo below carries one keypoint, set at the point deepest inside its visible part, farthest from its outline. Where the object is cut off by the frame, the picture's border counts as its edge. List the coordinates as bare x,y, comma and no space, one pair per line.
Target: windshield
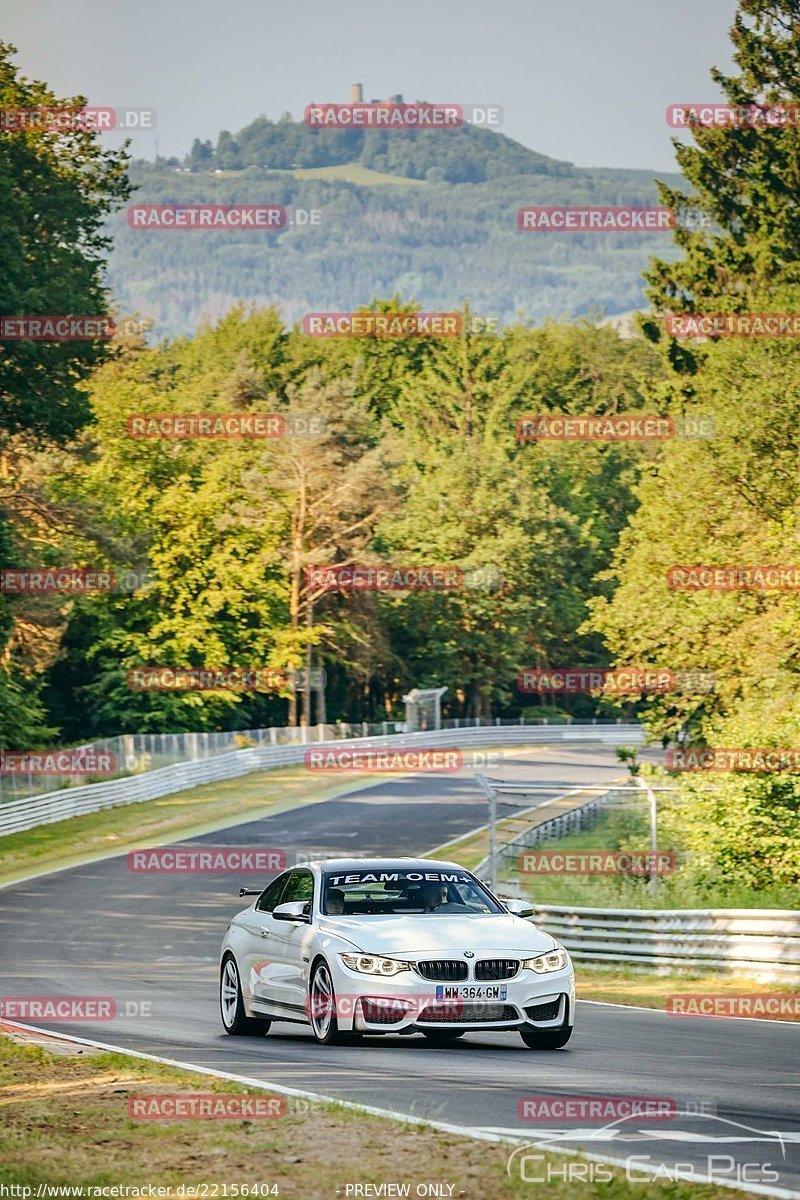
411,893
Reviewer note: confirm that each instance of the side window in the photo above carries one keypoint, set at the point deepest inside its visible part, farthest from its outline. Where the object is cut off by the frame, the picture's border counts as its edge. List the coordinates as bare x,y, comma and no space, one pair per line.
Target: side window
299,887
272,895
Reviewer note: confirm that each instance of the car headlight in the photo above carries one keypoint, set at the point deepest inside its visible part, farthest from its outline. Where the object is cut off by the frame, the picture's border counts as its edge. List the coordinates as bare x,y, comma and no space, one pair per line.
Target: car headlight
555,960
370,964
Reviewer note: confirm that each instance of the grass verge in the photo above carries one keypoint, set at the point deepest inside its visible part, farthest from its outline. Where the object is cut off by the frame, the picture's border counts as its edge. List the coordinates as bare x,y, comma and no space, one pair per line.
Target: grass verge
66,1121
620,986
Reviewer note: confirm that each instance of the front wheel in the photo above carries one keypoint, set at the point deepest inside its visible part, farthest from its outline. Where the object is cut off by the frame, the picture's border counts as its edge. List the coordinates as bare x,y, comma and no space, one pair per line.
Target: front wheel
231,1004
546,1039
322,1007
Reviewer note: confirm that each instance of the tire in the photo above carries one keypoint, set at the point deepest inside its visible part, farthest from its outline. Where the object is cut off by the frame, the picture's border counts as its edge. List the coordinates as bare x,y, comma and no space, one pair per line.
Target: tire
443,1037
231,1005
322,1007
546,1039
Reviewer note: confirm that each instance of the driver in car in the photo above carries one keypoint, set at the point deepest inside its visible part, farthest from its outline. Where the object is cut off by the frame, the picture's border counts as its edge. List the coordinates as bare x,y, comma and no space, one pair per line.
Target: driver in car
433,895
334,902
438,897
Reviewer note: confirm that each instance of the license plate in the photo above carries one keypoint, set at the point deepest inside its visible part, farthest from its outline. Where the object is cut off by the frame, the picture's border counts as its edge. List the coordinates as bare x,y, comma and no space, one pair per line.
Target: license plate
496,991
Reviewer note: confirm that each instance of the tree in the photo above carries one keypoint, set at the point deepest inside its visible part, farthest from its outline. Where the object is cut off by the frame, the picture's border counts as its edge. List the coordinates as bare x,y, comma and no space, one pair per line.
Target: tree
474,503
201,155
727,500
227,155
57,189
743,178
330,488
215,598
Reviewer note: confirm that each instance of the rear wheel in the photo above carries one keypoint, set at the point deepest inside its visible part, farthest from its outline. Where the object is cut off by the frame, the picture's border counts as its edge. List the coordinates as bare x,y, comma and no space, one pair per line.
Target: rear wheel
546,1039
322,1007
231,1005
443,1037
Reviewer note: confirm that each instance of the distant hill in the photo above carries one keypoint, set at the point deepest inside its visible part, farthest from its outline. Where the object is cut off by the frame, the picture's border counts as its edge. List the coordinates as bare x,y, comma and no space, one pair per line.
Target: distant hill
431,215
466,154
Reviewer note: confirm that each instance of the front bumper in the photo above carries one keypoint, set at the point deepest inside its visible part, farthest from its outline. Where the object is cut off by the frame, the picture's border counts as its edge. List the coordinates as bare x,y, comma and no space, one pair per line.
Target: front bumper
407,1003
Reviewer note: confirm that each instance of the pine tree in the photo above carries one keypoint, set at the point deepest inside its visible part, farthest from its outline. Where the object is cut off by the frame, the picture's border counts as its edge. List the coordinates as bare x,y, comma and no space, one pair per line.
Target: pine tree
744,179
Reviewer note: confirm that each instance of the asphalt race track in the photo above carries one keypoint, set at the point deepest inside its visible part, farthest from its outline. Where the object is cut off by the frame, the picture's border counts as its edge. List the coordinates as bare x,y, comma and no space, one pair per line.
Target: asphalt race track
100,930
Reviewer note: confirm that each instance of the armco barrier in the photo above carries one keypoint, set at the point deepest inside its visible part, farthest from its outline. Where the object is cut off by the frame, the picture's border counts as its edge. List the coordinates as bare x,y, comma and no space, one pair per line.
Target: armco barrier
137,752
571,821
763,944
19,815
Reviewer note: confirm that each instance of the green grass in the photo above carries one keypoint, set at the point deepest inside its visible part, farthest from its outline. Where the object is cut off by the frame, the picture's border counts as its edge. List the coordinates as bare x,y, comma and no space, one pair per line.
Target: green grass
623,985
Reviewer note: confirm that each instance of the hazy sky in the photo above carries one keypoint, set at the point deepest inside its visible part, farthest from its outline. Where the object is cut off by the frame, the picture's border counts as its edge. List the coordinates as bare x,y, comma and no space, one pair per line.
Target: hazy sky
578,79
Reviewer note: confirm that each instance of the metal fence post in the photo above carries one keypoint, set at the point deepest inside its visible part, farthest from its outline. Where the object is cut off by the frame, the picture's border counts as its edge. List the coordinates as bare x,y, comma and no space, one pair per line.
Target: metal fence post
653,814
489,793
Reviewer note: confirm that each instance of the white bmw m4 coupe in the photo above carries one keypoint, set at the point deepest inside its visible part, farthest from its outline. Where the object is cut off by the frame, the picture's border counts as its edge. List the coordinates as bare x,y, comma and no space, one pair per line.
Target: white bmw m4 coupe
400,946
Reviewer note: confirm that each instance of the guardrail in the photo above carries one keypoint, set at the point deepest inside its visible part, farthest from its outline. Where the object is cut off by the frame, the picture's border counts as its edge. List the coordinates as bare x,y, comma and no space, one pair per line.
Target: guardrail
567,822
19,815
133,753
761,943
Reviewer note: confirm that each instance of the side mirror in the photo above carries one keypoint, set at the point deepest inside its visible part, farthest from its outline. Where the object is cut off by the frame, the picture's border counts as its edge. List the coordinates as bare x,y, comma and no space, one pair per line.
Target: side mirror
294,910
517,908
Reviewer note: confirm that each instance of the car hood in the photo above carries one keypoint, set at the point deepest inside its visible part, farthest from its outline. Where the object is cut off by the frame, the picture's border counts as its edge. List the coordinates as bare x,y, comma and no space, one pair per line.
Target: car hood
443,935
